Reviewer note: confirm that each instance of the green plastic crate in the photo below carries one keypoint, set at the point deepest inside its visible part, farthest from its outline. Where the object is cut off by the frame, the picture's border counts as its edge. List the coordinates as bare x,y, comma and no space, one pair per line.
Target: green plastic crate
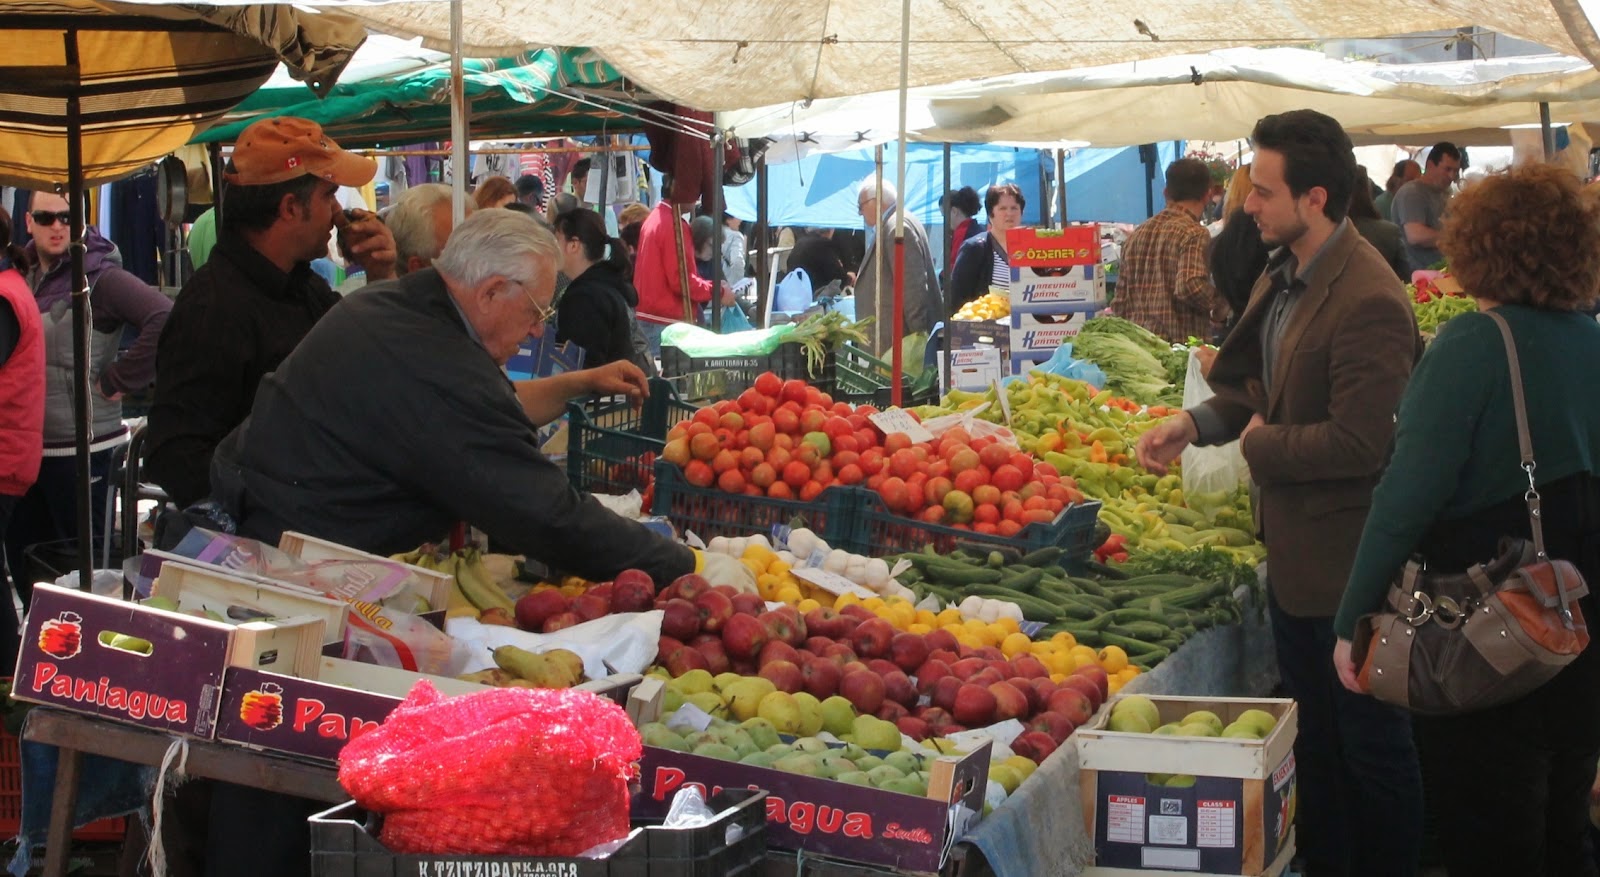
611,447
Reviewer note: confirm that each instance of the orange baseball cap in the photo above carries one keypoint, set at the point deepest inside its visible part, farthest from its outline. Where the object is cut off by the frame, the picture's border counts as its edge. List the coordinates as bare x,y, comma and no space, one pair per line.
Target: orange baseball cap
282,148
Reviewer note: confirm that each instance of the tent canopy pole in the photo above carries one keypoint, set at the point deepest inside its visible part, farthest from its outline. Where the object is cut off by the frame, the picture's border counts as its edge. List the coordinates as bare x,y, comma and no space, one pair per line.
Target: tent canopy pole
897,355
80,323
1544,128
458,119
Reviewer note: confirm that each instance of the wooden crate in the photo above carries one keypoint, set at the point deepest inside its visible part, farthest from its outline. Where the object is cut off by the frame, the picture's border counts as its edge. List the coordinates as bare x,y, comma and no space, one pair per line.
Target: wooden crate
430,585
197,588
1240,812
291,646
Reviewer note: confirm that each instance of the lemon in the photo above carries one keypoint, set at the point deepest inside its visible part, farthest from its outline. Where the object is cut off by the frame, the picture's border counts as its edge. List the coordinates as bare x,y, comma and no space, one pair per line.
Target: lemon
1113,658
789,594
1015,644
1009,625
808,604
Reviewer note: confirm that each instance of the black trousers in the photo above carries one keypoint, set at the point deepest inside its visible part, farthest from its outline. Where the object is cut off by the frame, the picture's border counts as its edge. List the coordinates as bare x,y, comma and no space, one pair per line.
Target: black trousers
1360,790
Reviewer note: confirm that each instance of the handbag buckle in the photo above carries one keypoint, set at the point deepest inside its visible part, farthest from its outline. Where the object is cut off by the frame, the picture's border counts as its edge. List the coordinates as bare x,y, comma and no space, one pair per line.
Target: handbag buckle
1419,611
1447,613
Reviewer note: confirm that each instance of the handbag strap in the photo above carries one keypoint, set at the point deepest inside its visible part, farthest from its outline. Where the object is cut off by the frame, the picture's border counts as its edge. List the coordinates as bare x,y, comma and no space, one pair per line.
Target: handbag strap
1524,436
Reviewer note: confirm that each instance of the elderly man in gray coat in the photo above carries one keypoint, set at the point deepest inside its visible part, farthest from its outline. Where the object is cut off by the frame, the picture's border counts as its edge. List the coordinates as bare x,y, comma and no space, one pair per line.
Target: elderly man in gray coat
923,304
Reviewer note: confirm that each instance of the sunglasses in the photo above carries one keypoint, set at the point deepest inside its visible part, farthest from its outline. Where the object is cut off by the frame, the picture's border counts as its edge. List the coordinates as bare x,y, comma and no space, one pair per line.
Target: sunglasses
47,218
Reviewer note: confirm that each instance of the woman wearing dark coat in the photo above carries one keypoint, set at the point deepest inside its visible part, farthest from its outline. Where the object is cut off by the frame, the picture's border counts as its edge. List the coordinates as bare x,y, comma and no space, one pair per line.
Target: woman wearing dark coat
596,310
1238,256
1381,233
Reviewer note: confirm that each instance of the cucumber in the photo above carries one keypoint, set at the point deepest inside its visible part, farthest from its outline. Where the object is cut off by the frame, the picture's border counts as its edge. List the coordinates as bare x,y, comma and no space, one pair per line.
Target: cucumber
1089,586
1042,556
963,576
1026,581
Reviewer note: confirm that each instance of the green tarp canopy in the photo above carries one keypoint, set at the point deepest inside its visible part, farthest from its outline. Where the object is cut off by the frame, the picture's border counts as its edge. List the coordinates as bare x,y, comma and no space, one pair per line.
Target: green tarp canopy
533,94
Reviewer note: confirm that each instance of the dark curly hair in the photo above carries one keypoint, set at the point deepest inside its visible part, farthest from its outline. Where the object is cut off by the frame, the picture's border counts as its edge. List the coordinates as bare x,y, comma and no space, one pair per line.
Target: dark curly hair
1528,236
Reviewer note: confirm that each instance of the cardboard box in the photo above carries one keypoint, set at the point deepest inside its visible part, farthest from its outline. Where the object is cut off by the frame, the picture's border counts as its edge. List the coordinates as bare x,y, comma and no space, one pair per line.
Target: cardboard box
1236,819
315,717
1053,247
829,818
1044,289
1032,333
979,353
200,587
66,661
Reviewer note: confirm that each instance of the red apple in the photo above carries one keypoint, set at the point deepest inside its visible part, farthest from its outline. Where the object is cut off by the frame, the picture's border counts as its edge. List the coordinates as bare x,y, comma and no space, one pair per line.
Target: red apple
634,592
908,650
892,712
857,612
853,667
986,677
824,621
716,657
715,609
974,705
1029,667
748,604
817,645
913,727
1009,702
1070,703
536,606
778,650
881,666
784,626
665,646
936,717
822,678
1045,688
897,688
990,653
590,606
1035,702
871,639
744,635
1087,686
785,675
680,620
840,654
864,689
690,585
941,639
604,589
1034,745
966,668
944,692
1098,674
744,667
728,591
1056,725
686,659
929,674
560,621
948,656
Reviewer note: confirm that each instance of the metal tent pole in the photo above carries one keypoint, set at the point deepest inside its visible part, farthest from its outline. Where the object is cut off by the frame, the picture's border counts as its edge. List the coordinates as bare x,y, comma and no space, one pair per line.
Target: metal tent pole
897,356
458,119
716,230
1545,129
1061,184
763,250
80,323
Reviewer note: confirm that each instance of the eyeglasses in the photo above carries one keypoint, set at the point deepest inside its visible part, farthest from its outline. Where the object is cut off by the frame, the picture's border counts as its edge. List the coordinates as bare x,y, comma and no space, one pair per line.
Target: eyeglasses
861,206
48,218
545,313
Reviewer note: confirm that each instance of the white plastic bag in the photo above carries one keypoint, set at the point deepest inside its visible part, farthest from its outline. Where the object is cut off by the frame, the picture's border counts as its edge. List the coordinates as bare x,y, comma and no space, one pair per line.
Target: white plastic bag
1207,470
794,293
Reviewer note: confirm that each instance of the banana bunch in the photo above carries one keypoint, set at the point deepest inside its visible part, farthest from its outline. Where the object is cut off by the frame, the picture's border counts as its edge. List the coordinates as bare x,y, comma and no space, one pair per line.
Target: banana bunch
557,668
476,593
989,306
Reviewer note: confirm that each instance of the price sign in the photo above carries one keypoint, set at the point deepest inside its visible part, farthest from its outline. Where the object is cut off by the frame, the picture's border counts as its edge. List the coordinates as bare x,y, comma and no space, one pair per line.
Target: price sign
833,583
897,420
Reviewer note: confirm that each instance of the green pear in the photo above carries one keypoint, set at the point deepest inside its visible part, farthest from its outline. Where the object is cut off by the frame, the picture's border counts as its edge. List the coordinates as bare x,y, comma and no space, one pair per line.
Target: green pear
867,762
738,739
761,732
838,715
1138,705
709,702
1263,721
834,763
906,786
801,763
719,751
166,604
810,745
1130,722
672,700
662,737
853,752
871,732
760,759
884,773
906,762
1203,717
855,778
722,680
693,682
780,749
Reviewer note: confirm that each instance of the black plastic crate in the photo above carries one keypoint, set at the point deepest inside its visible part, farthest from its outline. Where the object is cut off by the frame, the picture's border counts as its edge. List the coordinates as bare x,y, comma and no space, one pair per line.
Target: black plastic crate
710,512
344,843
788,361
876,530
862,379
611,447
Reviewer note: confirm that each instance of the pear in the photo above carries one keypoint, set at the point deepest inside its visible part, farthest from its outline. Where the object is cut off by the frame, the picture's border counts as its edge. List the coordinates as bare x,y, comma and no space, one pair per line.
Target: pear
884,773
1129,723
811,745
872,732
744,696
855,778
672,700
760,759
709,702
1263,721
810,714
1004,777
906,786
164,603
719,751
867,762
1140,706
838,714
762,733
662,737
1204,717
834,763
693,682
802,763
905,762
782,711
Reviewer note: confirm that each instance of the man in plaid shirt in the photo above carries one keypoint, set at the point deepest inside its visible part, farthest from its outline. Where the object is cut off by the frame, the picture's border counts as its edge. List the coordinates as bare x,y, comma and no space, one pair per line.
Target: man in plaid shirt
1164,284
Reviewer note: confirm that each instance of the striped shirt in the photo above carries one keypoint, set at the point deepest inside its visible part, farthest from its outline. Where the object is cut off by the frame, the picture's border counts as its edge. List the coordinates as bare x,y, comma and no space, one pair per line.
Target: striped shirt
1002,269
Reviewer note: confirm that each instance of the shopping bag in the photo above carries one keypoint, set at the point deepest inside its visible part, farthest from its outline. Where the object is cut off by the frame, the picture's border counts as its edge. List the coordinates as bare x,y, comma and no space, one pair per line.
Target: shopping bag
1208,470
734,320
794,292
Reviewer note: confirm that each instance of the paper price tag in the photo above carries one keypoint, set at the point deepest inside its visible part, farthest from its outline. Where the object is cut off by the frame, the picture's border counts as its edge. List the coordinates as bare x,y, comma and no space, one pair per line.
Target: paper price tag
1005,402
833,583
689,717
898,420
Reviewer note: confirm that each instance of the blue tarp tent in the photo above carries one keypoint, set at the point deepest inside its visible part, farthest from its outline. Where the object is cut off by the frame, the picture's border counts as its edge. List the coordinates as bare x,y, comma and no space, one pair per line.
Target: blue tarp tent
1103,185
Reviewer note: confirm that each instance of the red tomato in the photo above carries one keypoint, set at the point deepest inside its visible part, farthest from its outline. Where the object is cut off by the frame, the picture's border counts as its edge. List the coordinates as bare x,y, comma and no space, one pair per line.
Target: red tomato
794,390
850,473
1008,528
986,513
837,426
935,489
893,491
895,442
933,514
732,481
968,481
763,475
986,494
994,456
780,490
1022,461
810,491
1008,477
796,474
769,384
903,463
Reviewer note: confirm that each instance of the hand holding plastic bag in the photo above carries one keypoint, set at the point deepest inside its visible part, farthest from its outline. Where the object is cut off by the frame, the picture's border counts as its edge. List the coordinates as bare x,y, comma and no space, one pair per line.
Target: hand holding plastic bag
1208,470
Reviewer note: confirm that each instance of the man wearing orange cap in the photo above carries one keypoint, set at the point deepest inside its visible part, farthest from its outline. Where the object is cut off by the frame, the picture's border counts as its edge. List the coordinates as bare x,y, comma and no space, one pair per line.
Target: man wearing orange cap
256,296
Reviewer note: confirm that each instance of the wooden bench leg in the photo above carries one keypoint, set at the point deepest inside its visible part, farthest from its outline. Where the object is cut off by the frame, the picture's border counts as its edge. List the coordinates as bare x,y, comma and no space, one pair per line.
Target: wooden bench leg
58,844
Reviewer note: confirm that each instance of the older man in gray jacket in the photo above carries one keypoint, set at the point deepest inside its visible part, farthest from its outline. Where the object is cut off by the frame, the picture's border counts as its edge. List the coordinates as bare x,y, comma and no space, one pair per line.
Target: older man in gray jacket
922,304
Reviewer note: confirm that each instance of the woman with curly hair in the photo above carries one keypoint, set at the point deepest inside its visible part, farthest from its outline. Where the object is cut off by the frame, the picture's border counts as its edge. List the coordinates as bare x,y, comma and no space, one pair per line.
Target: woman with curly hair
1509,785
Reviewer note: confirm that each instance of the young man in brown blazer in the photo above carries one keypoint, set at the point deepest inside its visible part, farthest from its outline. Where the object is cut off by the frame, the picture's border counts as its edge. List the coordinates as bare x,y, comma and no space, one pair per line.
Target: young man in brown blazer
1310,380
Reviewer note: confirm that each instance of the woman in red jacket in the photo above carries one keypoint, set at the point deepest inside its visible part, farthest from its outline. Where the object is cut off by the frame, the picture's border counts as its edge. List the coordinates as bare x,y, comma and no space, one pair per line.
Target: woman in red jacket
21,404
664,258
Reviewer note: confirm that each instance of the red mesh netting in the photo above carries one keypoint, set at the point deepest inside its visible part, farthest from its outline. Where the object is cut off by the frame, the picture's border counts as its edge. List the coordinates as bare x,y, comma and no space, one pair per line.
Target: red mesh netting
508,771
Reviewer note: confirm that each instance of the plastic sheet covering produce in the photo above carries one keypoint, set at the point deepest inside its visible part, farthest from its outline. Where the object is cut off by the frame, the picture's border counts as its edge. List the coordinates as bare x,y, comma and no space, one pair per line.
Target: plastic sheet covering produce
508,771
698,342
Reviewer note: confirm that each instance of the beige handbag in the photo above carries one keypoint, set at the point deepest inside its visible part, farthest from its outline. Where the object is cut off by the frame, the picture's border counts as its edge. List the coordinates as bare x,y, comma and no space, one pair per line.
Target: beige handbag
1458,642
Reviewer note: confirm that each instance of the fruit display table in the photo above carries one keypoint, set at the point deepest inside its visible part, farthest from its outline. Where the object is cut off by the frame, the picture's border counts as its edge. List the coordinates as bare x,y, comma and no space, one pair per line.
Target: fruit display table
76,735
1039,829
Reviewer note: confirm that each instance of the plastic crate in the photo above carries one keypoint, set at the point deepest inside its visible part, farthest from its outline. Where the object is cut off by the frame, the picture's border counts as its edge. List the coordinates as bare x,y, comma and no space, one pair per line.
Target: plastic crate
863,379
104,830
344,843
876,530
709,512
788,361
607,440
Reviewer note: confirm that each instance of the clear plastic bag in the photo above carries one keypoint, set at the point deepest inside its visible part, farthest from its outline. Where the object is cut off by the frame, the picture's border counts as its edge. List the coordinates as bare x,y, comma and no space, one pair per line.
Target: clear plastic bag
1208,470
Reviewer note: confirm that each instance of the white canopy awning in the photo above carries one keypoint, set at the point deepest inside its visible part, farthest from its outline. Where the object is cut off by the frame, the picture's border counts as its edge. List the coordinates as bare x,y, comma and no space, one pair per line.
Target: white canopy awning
734,54
1215,96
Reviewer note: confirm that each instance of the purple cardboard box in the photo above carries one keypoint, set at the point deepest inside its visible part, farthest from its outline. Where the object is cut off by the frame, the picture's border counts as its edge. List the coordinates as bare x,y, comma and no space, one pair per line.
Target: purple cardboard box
66,660
829,818
299,716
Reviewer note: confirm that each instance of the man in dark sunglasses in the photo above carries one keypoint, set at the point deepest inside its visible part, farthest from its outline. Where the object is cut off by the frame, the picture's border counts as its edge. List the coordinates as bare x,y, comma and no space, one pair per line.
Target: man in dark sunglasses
118,300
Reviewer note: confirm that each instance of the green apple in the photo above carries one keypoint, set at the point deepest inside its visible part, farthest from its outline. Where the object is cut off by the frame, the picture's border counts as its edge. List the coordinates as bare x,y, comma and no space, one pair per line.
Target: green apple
1203,716
1180,781
1263,721
1167,729
1129,722
1241,730
1197,729
1141,706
